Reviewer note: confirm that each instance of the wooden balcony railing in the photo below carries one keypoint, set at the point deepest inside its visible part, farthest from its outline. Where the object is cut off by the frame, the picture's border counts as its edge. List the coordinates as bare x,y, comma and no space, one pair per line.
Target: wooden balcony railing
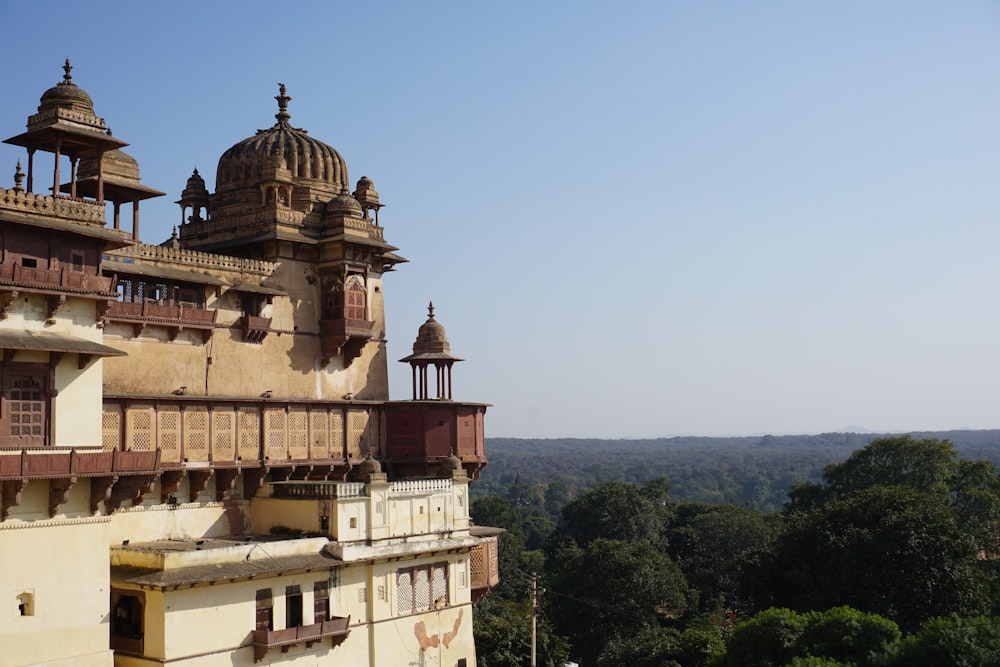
151,311
174,318
337,629
255,329
17,275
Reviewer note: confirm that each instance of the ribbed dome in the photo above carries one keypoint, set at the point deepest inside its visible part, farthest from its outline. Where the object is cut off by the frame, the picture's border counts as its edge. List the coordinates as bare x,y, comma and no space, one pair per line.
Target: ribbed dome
431,337
344,204
195,188
114,163
66,95
305,158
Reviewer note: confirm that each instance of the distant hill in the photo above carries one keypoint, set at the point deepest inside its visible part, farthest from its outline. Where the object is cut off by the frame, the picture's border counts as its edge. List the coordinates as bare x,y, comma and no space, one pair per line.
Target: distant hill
755,471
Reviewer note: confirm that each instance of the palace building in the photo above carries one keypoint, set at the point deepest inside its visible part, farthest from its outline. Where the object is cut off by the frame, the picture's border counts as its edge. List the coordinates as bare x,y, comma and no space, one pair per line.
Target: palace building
199,460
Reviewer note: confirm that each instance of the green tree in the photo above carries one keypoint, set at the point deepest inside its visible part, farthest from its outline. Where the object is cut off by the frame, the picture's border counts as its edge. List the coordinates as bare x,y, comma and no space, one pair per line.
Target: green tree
954,641
897,529
720,549
611,588
503,635
847,635
656,646
839,636
769,639
616,511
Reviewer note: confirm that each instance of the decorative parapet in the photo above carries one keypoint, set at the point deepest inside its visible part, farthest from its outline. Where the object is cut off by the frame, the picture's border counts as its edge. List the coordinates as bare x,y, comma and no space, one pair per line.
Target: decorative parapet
190,258
419,486
79,210
364,226
247,220
45,117
406,487
319,489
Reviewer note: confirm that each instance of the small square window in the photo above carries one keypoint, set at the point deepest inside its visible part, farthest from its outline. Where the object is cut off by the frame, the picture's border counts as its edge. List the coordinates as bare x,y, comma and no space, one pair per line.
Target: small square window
26,604
354,522
29,262
76,259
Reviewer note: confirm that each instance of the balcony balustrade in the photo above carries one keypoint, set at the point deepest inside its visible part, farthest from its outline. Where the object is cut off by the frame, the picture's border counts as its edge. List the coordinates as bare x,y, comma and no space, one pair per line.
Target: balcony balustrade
255,329
14,274
336,629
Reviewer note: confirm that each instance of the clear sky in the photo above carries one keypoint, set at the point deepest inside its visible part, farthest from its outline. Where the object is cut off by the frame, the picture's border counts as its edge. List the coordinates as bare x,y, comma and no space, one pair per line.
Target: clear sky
635,219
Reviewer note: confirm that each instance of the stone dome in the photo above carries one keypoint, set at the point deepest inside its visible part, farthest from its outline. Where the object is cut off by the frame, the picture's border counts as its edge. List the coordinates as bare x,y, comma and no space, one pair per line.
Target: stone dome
305,158
431,337
115,163
195,188
344,204
66,95
369,467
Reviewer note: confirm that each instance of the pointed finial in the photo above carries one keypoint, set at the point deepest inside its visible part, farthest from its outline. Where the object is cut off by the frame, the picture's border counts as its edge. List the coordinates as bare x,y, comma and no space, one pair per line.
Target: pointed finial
283,100
430,310
195,171
18,178
67,68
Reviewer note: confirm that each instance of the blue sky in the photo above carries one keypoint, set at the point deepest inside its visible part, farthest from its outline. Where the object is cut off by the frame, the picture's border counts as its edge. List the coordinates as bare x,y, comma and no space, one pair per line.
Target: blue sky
635,219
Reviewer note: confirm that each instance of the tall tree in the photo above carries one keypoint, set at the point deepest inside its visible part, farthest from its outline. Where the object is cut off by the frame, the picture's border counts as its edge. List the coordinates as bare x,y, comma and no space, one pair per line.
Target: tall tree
897,529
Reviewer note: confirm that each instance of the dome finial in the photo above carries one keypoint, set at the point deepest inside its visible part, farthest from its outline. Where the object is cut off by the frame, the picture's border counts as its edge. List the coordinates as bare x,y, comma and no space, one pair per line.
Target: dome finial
67,68
283,99
430,310
18,178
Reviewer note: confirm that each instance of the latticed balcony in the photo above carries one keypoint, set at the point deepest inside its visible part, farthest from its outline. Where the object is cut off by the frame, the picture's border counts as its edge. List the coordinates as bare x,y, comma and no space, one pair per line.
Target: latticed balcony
484,562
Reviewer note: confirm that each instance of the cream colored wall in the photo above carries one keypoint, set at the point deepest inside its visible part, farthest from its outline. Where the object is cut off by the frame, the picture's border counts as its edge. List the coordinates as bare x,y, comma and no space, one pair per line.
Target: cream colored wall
435,637
421,639
298,514
148,523
63,563
410,512
287,362
229,610
77,406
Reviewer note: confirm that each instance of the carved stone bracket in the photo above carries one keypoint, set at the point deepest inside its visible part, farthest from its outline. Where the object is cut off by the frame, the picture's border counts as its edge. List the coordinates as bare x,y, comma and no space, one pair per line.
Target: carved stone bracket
302,472
198,481
56,301
170,480
132,488
100,491
319,473
253,480
59,493
225,481
55,358
11,496
102,312
6,301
